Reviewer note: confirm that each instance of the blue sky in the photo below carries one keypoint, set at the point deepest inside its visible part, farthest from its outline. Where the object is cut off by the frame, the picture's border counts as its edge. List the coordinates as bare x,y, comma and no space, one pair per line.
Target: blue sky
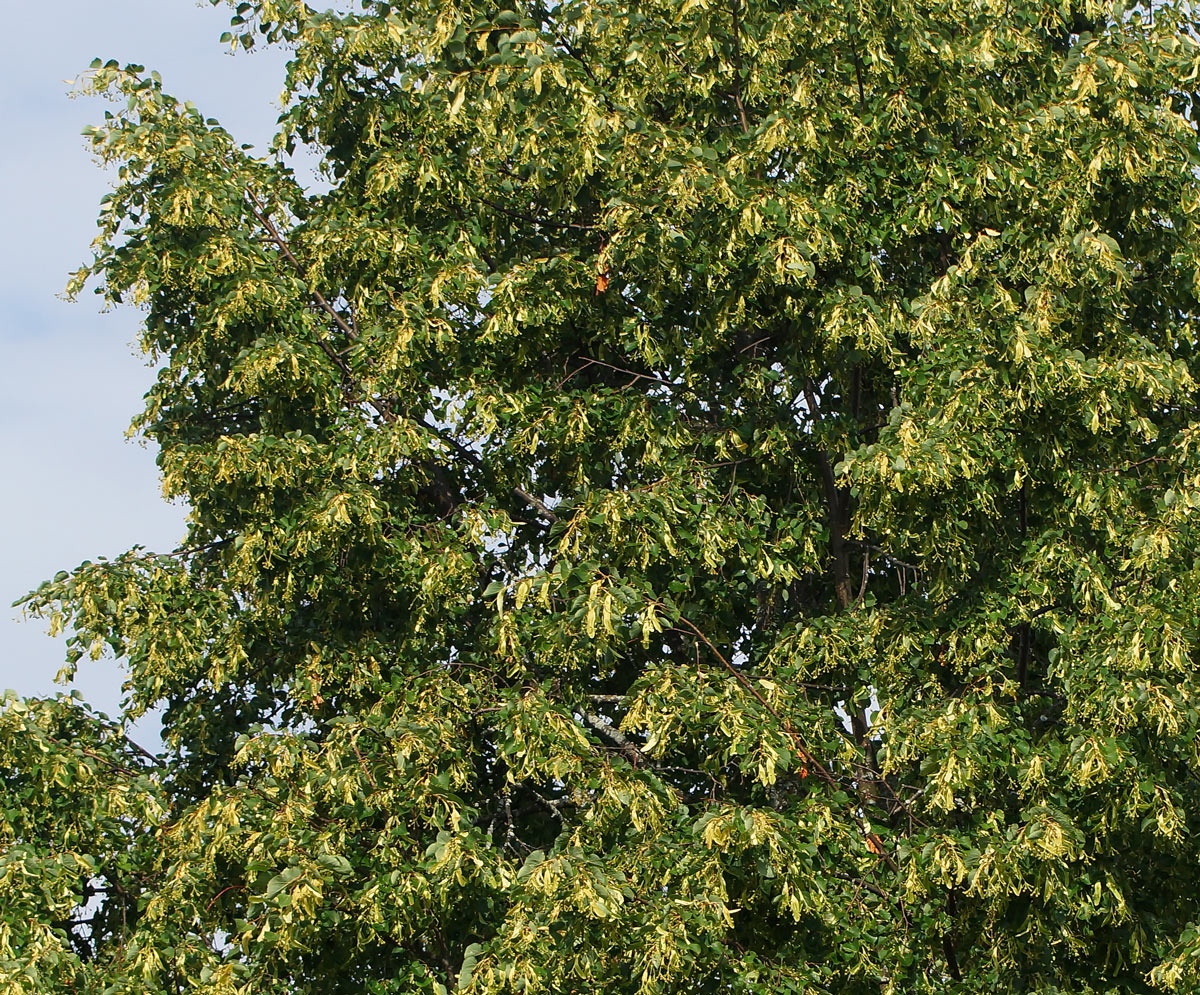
72,487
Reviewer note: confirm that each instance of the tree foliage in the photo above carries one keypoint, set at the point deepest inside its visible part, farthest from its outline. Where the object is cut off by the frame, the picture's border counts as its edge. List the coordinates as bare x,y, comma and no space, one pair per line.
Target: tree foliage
702,498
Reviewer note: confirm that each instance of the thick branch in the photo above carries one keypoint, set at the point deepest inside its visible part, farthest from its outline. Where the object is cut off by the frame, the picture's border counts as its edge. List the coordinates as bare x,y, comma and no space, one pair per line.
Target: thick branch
835,500
614,735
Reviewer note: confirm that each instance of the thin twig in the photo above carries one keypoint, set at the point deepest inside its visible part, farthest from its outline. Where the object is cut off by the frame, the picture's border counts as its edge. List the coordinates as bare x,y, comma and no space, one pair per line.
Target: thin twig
874,843
862,588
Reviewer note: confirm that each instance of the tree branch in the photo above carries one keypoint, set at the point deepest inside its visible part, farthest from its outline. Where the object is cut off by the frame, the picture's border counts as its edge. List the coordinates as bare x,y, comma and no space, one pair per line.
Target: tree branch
615,736
737,66
874,843
380,405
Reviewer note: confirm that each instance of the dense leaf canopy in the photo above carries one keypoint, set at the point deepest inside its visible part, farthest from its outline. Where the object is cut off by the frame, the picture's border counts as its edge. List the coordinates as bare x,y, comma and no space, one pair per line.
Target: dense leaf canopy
701,498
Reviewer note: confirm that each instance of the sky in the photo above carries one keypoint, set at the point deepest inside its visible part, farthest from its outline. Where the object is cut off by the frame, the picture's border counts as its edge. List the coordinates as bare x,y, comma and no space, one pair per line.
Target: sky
72,487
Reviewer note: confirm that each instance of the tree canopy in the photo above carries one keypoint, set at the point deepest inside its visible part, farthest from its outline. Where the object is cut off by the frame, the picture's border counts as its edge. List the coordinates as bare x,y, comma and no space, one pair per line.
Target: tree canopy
701,497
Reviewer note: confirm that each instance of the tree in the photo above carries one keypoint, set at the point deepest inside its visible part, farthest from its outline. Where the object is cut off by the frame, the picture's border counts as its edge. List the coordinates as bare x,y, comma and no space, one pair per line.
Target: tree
703,499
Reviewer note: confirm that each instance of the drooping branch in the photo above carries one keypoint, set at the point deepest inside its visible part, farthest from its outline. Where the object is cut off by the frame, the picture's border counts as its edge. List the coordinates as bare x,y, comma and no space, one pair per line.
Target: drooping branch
874,843
382,406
